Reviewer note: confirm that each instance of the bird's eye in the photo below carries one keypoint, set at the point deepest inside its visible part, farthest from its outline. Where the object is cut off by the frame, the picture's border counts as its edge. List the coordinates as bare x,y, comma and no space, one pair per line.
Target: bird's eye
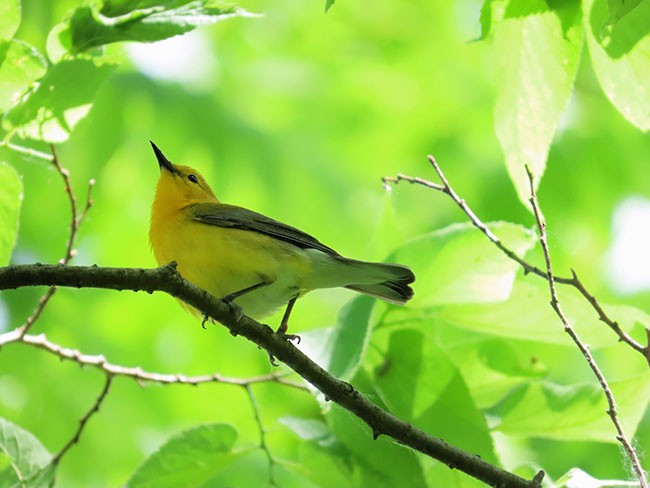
193,178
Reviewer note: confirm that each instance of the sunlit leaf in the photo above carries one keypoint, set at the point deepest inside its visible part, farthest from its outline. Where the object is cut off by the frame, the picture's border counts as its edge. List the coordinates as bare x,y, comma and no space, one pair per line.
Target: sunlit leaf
526,314
29,465
187,459
577,478
11,198
537,58
51,111
9,18
492,367
459,265
88,28
421,385
621,59
20,65
339,349
574,412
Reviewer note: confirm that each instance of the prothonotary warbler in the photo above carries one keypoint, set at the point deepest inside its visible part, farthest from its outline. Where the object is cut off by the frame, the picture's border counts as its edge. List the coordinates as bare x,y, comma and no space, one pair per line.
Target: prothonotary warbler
242,256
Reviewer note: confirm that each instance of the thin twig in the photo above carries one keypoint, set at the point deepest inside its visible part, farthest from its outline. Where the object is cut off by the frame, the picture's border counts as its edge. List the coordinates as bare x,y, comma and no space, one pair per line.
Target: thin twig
263,445
99,361
527,267
76,218
555,303
84,420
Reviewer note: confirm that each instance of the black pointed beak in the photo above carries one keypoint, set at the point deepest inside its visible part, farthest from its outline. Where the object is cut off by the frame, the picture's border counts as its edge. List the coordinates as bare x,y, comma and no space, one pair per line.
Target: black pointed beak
163,162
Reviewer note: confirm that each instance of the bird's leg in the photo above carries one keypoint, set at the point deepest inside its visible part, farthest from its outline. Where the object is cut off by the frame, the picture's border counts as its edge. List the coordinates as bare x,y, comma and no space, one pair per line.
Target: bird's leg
236,294
284,324
232,296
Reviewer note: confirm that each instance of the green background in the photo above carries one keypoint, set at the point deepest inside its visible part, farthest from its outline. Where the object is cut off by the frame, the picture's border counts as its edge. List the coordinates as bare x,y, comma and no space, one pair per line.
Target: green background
298,116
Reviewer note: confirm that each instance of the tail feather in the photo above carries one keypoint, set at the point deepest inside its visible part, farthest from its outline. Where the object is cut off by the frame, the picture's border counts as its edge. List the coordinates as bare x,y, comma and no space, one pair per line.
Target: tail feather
391,283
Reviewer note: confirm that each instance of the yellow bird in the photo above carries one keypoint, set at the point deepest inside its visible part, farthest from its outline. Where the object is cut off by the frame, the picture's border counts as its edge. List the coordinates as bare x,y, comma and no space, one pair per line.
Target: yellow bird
242,256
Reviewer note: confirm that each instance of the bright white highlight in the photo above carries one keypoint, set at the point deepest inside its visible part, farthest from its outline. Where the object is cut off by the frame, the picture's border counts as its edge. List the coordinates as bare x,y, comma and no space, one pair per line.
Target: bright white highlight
628,260
186,59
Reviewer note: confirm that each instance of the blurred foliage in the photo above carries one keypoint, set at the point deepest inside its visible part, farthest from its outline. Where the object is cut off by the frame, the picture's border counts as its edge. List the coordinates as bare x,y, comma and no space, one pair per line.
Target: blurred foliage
298,115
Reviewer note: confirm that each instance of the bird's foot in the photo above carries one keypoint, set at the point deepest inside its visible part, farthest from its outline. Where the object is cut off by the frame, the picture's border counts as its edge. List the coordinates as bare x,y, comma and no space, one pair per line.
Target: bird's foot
289,337
206,318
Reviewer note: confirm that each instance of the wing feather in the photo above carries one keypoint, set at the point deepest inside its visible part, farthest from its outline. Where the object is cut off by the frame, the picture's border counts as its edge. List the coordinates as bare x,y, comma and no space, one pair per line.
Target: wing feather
231,216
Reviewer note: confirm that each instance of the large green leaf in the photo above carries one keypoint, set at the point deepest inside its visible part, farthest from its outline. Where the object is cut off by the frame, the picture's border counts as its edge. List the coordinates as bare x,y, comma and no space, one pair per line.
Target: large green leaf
24,461
87,27
339,349
459,265
51,111
419,384
388,463
575,412
9,18
526,314
188,459
11,197
620,55
20,65
537,57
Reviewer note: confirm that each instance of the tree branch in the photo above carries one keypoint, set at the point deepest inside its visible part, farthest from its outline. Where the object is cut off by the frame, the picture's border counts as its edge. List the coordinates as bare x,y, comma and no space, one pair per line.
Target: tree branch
40,341
527,267
84,420
568,328
168,280
76,218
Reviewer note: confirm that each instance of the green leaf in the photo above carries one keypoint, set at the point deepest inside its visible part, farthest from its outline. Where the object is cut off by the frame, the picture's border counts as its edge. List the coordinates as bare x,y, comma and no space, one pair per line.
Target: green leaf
552,411
526,314
11,197
307,429
324,468
88,28
51,111
492,367
339,349
9,18
419,384
29,460
393,465
619,9
459,265
20,66
328,4
537,58
187,459
621,58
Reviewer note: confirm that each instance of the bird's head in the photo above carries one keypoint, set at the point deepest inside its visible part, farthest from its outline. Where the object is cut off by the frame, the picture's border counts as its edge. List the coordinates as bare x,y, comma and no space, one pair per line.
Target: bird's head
180,186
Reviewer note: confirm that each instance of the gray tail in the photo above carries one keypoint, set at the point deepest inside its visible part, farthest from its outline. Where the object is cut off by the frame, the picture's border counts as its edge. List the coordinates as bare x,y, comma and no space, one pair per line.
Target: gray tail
392,284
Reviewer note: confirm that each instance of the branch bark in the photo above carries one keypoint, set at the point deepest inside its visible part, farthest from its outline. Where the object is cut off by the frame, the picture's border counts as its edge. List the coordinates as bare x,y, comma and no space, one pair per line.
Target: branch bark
168,280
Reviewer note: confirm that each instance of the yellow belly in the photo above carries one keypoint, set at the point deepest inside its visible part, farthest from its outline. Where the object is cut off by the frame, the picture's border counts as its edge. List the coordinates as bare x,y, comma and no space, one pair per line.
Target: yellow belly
224,260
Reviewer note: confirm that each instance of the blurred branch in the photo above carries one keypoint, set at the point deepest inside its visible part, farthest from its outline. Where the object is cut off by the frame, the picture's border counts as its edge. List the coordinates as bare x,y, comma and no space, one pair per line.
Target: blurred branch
100,362
76,219
568,328
262,430
84,420
446,188
168,280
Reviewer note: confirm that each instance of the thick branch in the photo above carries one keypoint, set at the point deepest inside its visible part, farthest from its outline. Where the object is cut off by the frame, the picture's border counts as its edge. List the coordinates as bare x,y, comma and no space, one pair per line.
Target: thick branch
166,279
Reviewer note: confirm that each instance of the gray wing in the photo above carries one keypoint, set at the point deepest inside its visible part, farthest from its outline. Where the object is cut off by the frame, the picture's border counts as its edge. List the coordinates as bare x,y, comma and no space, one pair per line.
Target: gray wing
231,216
